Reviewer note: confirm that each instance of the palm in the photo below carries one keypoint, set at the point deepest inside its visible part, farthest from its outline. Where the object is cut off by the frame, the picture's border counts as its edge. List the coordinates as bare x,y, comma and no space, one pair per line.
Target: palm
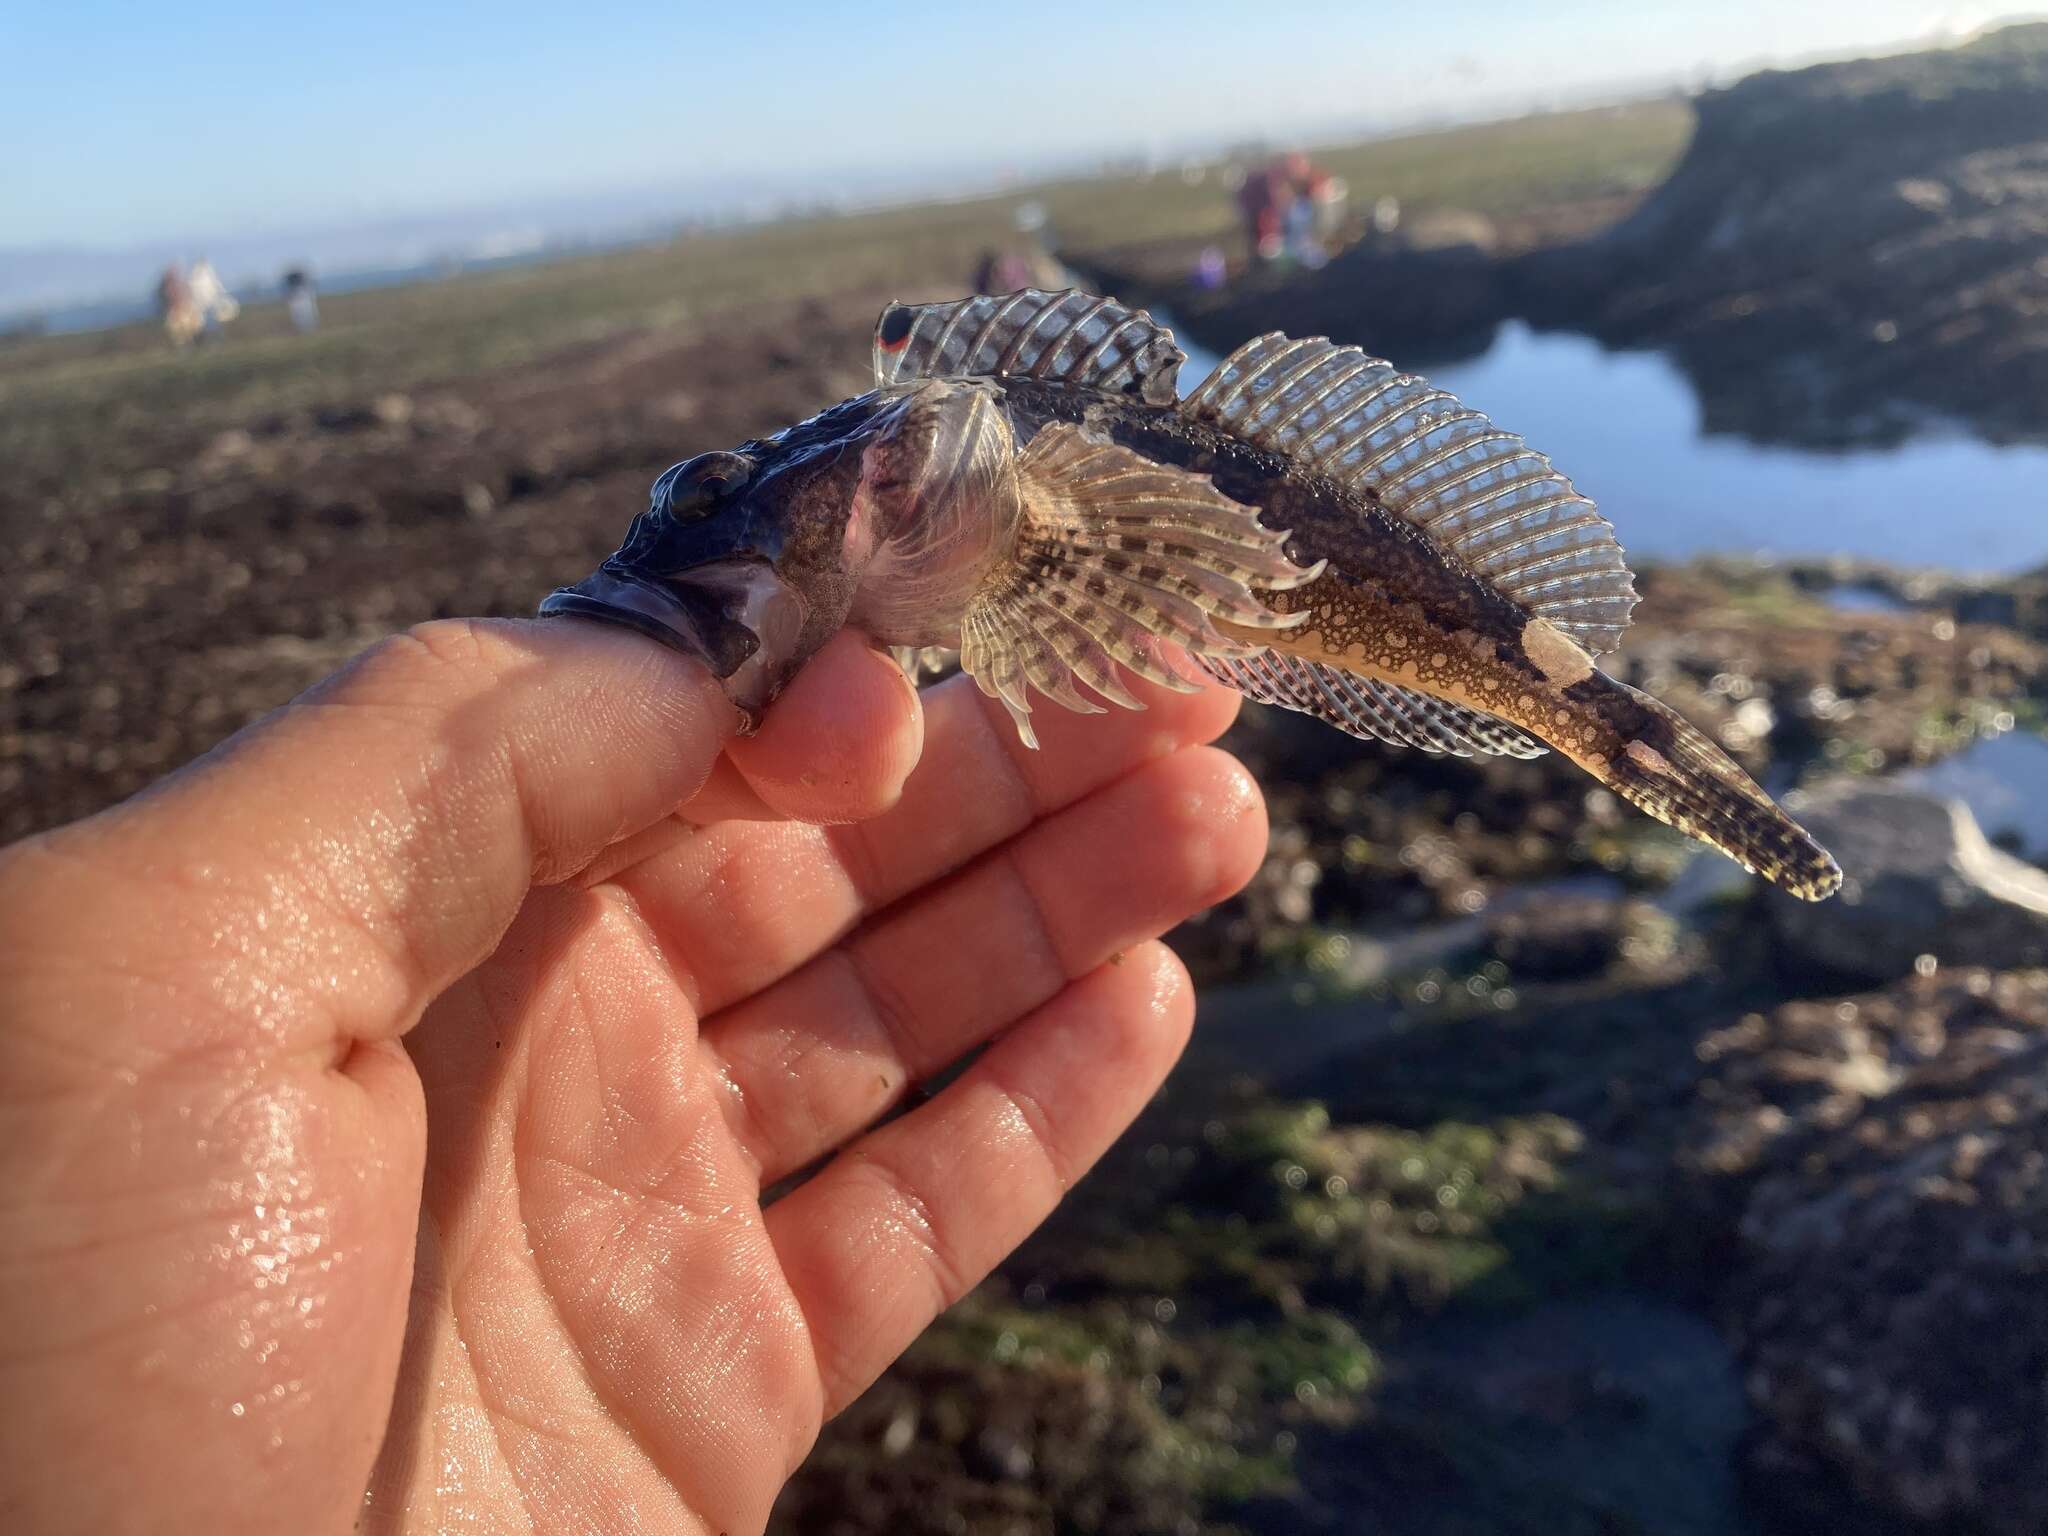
220,1004
605,1316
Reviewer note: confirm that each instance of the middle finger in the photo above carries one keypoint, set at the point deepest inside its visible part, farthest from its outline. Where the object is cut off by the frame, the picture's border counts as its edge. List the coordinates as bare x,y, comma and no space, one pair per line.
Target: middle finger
815,1058
739,905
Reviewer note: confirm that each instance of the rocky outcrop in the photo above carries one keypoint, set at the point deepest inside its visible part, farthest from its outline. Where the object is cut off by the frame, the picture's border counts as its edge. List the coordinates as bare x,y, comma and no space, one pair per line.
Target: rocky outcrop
1844,252
1888,1289
1919,880
1844,249
1562,938
1425,306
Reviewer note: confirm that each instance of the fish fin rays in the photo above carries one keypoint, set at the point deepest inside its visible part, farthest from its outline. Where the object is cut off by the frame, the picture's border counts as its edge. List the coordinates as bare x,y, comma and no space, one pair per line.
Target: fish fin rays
1118,559
1069,337
1371,709
1479,493
1671,770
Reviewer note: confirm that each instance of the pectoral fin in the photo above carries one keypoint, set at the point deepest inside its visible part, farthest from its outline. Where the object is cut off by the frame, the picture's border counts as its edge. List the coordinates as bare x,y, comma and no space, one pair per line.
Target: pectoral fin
1116,554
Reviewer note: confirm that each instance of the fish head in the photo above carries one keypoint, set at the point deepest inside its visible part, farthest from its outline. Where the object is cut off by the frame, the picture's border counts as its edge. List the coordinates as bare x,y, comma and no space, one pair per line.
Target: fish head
741,560
884,512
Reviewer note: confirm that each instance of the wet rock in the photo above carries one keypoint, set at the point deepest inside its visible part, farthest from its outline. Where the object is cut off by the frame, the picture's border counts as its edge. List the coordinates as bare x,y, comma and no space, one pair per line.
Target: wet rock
1569,937
1919,879
1001,1452
1886,1290
2020,603
1842,249
1440,229
392,410
1438,304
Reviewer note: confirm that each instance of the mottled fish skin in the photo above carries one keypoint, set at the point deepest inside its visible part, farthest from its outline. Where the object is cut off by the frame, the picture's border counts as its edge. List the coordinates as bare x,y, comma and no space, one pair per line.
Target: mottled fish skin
1394,605
1252,552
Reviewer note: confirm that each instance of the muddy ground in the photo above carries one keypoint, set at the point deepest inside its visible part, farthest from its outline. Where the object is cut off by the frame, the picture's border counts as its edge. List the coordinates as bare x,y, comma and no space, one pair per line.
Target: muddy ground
205,572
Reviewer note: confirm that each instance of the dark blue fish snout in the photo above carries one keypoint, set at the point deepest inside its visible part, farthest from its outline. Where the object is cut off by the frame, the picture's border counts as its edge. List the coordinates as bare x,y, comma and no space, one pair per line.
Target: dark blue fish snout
656,583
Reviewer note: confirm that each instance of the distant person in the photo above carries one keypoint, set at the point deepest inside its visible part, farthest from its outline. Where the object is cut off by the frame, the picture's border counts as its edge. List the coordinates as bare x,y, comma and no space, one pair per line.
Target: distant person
1298,228
1305,185
210,297
299,301
1259,202
175,307
1009,271
1333,199
1386,217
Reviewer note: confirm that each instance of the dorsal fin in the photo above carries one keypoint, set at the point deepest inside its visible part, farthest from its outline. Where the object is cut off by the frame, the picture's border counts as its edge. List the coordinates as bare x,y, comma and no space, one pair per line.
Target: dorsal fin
1070,336
1368,707
1480,493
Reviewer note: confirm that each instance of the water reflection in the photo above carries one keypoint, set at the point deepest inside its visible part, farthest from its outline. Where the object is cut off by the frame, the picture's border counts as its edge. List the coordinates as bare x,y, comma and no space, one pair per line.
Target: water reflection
1626,426
1855,599
2001,780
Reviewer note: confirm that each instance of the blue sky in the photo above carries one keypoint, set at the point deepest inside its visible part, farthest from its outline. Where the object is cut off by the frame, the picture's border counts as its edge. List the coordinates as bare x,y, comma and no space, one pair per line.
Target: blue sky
123,122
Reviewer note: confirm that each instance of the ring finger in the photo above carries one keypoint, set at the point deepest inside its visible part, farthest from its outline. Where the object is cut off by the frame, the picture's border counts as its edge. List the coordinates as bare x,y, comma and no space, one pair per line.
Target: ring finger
816,1058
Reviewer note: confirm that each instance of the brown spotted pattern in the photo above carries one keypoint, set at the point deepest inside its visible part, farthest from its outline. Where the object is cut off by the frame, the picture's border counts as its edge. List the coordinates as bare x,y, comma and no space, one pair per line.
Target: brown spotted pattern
1112,554
1394,606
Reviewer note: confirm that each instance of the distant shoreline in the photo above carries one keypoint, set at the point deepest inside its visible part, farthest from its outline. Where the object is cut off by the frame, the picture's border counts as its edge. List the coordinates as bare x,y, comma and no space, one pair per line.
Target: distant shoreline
253,280
112,314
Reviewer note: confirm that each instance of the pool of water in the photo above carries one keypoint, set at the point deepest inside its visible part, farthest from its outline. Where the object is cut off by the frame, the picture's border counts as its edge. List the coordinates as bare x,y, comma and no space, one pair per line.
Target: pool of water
2002,781
1626,427
1854,599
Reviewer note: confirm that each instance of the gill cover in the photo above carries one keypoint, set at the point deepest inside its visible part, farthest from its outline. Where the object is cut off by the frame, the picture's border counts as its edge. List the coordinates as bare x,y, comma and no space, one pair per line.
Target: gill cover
1052,564
1102,555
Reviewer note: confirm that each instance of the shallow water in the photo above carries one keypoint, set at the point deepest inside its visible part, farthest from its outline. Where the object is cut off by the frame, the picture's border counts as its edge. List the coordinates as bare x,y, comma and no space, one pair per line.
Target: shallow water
1626,427
2004,782
1625,1396
1854,599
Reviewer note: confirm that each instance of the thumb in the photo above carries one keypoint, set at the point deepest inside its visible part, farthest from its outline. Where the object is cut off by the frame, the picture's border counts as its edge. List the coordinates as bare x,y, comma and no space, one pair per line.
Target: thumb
326,872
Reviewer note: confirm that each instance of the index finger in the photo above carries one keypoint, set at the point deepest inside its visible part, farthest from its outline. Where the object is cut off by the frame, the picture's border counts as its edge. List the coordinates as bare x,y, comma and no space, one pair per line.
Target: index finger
742,904
330,869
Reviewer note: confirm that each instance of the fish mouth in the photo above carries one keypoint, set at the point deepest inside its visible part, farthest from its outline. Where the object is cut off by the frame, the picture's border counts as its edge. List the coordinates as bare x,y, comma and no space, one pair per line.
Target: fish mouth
736,617
681,618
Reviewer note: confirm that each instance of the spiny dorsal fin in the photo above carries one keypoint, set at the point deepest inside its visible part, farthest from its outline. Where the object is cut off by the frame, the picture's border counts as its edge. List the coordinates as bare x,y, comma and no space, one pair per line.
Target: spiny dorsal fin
1480,493
1114,554
1070,336
1369,708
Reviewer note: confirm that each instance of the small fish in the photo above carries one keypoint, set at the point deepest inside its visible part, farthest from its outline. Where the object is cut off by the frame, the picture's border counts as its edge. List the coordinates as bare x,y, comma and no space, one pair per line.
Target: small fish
1309,526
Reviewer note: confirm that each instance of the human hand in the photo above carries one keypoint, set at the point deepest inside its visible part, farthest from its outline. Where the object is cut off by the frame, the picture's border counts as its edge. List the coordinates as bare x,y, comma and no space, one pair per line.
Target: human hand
386,1101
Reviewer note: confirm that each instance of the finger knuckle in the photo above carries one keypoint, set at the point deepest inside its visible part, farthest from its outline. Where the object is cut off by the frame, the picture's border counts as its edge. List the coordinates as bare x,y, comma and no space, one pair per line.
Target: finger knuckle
431,660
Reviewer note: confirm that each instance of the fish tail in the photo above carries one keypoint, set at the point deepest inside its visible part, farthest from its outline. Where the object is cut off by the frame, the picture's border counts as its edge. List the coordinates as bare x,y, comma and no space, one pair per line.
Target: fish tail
1665,766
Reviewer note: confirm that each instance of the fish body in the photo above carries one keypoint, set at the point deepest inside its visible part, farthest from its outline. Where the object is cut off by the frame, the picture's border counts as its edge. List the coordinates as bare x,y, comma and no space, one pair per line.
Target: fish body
1309,526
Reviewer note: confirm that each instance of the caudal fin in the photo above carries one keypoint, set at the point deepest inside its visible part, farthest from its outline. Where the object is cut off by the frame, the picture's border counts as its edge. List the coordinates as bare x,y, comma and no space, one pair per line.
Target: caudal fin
1666,767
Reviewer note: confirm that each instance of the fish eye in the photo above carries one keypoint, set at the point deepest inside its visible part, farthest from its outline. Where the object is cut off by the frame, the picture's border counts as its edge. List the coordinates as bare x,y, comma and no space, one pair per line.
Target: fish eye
695,486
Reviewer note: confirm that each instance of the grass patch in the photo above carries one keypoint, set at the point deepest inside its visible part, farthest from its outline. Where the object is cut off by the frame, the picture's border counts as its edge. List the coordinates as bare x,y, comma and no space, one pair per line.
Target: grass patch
93,399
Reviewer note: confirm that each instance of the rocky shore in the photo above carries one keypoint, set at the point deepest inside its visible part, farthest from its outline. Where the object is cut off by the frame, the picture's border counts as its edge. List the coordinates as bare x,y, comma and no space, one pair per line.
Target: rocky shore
1845,254
1530,1172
